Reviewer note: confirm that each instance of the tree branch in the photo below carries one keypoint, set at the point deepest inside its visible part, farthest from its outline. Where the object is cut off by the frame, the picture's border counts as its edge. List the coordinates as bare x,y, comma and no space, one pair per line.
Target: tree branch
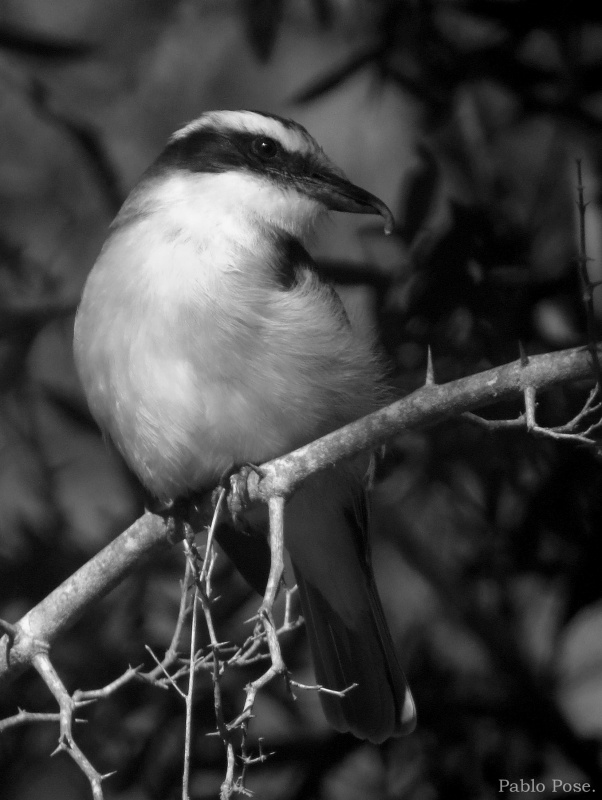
427,406
63,607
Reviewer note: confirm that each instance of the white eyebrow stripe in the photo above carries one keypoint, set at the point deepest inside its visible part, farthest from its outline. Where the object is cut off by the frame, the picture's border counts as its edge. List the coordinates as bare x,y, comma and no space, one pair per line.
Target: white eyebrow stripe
293,139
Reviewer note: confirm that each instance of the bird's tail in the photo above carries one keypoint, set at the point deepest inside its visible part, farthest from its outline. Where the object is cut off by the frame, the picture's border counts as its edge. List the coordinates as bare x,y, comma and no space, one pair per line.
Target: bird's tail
349,638
360,659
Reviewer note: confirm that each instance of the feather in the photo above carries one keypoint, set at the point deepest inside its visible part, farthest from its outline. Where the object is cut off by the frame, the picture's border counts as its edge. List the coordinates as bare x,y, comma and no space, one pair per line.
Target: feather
348,634
205,339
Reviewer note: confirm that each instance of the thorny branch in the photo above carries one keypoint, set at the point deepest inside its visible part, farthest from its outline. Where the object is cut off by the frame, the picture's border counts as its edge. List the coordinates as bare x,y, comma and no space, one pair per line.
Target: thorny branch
427,406
27,642
579,430
150,533
44,667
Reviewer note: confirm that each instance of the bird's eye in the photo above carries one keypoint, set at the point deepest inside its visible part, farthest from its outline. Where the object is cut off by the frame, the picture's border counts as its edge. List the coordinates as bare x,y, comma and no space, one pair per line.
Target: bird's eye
265,147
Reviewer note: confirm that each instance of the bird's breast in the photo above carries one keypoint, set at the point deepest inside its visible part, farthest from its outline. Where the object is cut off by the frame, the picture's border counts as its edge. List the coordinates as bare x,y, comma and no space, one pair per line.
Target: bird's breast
194,359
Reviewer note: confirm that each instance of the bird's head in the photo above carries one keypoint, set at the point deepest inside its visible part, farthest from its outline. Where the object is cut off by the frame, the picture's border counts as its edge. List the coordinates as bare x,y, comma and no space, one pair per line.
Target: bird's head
263,166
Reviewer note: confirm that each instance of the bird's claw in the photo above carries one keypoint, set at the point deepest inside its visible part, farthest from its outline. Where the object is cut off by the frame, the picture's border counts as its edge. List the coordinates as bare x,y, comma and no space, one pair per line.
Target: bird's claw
238,496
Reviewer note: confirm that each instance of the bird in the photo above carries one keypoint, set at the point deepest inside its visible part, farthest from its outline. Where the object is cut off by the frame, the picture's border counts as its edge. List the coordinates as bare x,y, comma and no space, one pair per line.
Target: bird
205,339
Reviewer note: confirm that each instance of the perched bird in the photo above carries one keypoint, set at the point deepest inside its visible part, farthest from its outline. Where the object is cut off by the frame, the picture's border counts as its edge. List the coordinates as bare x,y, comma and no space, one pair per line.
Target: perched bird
205,339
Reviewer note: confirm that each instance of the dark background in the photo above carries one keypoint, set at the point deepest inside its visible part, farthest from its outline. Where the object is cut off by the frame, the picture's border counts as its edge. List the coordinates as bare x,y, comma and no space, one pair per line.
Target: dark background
466,118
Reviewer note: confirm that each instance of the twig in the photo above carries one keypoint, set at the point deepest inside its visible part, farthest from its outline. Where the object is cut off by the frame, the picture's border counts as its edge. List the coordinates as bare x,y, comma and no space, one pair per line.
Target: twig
24,717
44,667
265,630
495,424
201,594
172,652
88,696
265,616
276,509
209,561
163,669
316,687
190,693
568,432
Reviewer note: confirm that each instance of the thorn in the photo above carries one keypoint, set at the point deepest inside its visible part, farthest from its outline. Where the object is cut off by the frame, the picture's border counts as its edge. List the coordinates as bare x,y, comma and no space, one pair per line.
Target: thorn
430,369
524,358
83,703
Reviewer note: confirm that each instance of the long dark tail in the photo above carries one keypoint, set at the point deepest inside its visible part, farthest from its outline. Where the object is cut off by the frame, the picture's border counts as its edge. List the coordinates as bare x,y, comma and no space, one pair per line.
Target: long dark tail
348,634
360,656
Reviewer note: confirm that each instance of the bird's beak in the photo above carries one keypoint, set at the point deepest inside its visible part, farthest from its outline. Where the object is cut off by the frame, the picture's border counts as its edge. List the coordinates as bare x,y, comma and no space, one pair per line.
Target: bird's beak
339,194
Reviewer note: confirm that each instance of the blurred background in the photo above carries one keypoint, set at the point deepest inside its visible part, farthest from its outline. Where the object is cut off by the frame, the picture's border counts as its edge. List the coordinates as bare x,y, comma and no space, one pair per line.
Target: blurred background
466,117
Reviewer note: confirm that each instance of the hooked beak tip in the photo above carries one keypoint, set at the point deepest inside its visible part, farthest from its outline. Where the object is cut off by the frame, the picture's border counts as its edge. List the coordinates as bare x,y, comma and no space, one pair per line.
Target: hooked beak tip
353,198
389,221
385,212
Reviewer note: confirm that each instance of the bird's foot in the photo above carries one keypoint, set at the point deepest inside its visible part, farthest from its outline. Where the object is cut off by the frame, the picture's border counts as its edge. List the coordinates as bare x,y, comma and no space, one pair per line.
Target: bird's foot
238,499
174,514
186,513
234,482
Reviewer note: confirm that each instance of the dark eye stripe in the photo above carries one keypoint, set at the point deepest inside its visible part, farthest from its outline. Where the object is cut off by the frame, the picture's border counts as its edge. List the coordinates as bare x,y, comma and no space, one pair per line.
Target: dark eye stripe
212,150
